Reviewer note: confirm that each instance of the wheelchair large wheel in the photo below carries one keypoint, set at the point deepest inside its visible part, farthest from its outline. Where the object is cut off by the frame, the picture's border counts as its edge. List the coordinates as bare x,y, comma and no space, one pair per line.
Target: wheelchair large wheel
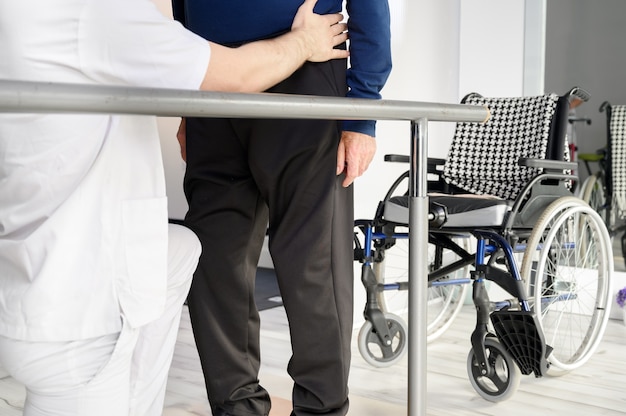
444,301
374,352
504,381
567,269
593,193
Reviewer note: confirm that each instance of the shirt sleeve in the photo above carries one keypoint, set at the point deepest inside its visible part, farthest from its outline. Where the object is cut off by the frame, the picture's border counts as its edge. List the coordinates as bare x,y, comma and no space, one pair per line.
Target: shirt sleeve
131,43
369,30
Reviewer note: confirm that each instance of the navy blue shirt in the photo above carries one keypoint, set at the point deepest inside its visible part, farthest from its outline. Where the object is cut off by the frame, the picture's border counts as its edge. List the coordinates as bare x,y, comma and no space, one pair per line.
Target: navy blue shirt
231,22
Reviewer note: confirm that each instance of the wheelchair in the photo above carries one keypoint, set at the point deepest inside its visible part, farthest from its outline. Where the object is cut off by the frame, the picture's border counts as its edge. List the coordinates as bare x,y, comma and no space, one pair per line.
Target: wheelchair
501,212
605,190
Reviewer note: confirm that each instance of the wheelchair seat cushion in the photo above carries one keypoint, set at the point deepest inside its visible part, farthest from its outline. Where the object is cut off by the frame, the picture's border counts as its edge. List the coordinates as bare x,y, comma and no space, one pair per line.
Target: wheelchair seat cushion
463,210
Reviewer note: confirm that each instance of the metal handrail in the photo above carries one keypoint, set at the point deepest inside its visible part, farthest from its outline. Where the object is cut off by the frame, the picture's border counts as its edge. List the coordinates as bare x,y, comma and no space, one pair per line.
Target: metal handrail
38,97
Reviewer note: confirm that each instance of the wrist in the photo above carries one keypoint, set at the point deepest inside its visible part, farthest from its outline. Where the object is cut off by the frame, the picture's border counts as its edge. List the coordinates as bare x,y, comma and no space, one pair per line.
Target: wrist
304,43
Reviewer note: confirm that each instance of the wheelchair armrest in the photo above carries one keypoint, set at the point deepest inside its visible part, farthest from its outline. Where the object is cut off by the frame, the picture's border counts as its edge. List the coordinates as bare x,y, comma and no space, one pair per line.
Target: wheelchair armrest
434,167
433,162
549,165
397,158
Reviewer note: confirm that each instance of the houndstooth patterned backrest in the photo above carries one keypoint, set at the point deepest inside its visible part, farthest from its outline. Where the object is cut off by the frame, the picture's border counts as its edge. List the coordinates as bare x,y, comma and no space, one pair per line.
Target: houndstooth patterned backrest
483,158
617,129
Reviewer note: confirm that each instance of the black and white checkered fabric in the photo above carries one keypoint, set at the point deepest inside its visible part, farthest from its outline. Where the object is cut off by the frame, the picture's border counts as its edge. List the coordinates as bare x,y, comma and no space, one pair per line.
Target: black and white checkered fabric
483,158
617,126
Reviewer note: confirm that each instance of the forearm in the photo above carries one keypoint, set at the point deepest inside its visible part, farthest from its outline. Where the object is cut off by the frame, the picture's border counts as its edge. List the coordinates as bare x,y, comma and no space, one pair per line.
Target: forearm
256,66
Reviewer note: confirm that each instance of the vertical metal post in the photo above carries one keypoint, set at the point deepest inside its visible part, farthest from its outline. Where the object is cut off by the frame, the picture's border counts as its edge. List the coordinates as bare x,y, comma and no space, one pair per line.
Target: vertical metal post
418,276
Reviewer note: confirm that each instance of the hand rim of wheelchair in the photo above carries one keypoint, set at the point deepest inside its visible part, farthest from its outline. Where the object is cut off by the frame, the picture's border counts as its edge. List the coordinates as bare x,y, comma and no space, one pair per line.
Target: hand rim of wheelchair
597,328
553,218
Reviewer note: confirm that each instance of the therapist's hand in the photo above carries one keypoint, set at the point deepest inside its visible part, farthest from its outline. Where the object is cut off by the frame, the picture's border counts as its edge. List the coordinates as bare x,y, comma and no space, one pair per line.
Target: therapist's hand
181,135
355,152
320,33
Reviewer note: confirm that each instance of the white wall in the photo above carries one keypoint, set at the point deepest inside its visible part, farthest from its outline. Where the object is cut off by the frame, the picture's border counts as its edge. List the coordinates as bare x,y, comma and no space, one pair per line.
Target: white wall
492,47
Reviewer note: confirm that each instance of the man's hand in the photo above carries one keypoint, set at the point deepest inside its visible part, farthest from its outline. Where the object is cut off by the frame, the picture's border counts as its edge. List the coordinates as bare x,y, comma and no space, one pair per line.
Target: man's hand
321,32
355,152
181,135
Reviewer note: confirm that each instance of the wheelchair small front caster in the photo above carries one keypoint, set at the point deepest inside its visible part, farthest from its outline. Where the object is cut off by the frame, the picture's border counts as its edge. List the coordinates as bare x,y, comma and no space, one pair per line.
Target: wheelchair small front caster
374,351
505,378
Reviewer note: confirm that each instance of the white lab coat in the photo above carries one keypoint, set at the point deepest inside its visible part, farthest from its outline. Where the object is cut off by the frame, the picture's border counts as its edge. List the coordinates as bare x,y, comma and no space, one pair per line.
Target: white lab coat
83,212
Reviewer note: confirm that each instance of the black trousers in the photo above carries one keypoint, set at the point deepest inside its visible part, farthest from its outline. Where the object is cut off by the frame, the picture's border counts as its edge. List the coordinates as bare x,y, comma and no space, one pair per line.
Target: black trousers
242,174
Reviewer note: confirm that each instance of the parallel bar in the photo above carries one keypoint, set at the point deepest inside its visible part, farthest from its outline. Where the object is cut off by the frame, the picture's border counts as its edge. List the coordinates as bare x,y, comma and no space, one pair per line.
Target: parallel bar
37,97
418,276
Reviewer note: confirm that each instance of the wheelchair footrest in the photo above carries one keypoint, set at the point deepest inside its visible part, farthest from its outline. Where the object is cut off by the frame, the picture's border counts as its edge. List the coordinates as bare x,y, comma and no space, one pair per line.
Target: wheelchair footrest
521,336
